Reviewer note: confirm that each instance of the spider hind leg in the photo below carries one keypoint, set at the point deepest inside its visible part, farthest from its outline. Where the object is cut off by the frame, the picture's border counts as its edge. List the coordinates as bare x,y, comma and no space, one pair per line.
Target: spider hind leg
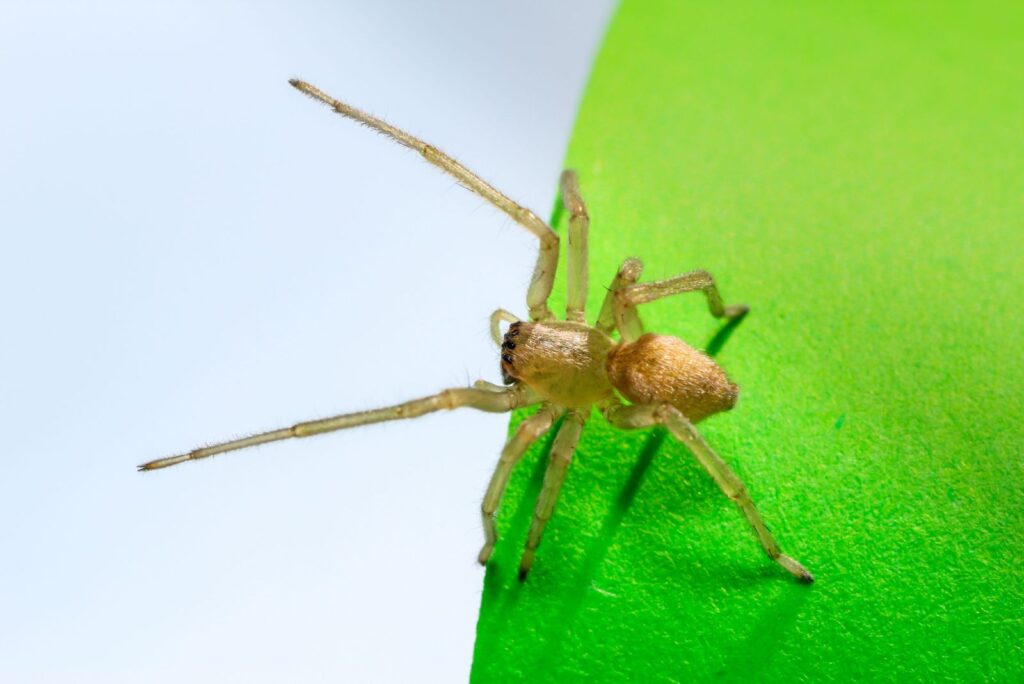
641,416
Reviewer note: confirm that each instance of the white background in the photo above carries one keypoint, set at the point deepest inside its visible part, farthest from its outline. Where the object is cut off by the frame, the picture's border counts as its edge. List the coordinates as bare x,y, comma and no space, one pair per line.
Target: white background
191,251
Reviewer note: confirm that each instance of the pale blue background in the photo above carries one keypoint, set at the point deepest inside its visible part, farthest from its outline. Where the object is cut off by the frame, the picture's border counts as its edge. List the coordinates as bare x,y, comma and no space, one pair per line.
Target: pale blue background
191,251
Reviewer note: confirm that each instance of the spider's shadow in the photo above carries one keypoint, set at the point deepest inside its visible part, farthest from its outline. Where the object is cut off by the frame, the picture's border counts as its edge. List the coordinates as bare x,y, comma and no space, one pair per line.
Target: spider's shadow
723,334
766,634
598,549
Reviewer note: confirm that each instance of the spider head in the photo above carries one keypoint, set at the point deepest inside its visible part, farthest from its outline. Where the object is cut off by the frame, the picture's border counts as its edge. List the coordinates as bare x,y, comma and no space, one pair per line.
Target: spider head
508,359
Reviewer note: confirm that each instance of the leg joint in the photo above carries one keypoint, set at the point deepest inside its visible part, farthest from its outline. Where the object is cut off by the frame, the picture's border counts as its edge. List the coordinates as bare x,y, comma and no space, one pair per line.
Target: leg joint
737,493
549,241
701,275
631,269
665,411
431,153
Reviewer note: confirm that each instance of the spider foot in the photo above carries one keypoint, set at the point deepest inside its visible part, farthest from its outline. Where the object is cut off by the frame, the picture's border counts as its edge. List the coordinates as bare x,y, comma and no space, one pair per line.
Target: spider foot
525,564
485,554
736,311
794,567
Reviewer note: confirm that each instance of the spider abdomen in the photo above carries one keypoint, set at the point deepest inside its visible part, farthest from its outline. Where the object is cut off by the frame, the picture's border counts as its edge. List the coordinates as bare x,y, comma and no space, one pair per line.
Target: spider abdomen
660,368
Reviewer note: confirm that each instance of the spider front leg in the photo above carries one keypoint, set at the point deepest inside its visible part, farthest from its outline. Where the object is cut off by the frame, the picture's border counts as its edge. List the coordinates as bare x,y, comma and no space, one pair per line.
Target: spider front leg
627,298
547,257
528,432
561,455
632,417
501,401
579,227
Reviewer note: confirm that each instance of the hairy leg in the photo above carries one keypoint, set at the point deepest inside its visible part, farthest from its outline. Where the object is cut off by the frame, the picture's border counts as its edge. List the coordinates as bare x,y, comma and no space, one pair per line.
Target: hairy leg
528,432
579,227
483,399
547,259
630,417
629,297
628,274
561,456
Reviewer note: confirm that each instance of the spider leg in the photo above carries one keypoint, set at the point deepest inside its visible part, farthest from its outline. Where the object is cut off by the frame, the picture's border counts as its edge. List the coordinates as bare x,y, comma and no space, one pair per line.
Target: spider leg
628,297
631,417
579,227
496,318
528,432
561,456
547,259
483,399
628,274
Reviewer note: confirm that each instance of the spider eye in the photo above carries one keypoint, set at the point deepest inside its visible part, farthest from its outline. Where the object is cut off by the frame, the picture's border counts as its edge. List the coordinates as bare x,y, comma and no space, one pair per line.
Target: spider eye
506,365
508,343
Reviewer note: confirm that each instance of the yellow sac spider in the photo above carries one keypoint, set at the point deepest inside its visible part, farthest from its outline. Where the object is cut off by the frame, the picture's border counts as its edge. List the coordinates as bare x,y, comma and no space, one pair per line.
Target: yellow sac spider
567,367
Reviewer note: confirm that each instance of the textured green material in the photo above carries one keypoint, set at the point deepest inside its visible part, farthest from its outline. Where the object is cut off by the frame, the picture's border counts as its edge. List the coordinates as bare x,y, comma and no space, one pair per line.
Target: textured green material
855,173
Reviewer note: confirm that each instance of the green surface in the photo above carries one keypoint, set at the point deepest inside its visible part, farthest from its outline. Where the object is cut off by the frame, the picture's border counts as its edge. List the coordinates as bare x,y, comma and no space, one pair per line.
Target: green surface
856,175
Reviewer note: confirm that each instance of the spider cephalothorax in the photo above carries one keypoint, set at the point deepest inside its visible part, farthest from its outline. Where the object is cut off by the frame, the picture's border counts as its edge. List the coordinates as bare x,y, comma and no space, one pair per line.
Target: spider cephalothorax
566,367
562,362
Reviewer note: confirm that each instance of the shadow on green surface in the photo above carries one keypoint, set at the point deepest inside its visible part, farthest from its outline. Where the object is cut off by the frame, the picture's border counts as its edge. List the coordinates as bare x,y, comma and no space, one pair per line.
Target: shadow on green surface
598,549
723,334
766,635
576,591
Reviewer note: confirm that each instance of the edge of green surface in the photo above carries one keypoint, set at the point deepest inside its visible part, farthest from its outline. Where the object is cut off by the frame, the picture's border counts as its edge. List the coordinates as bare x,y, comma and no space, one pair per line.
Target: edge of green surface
855,175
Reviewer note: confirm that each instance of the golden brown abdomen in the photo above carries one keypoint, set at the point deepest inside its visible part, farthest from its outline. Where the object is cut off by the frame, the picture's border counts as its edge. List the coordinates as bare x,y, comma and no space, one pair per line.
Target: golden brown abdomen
659,368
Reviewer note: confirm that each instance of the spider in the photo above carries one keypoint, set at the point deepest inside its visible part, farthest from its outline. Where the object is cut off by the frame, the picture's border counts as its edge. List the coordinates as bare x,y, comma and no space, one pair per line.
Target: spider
566,367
